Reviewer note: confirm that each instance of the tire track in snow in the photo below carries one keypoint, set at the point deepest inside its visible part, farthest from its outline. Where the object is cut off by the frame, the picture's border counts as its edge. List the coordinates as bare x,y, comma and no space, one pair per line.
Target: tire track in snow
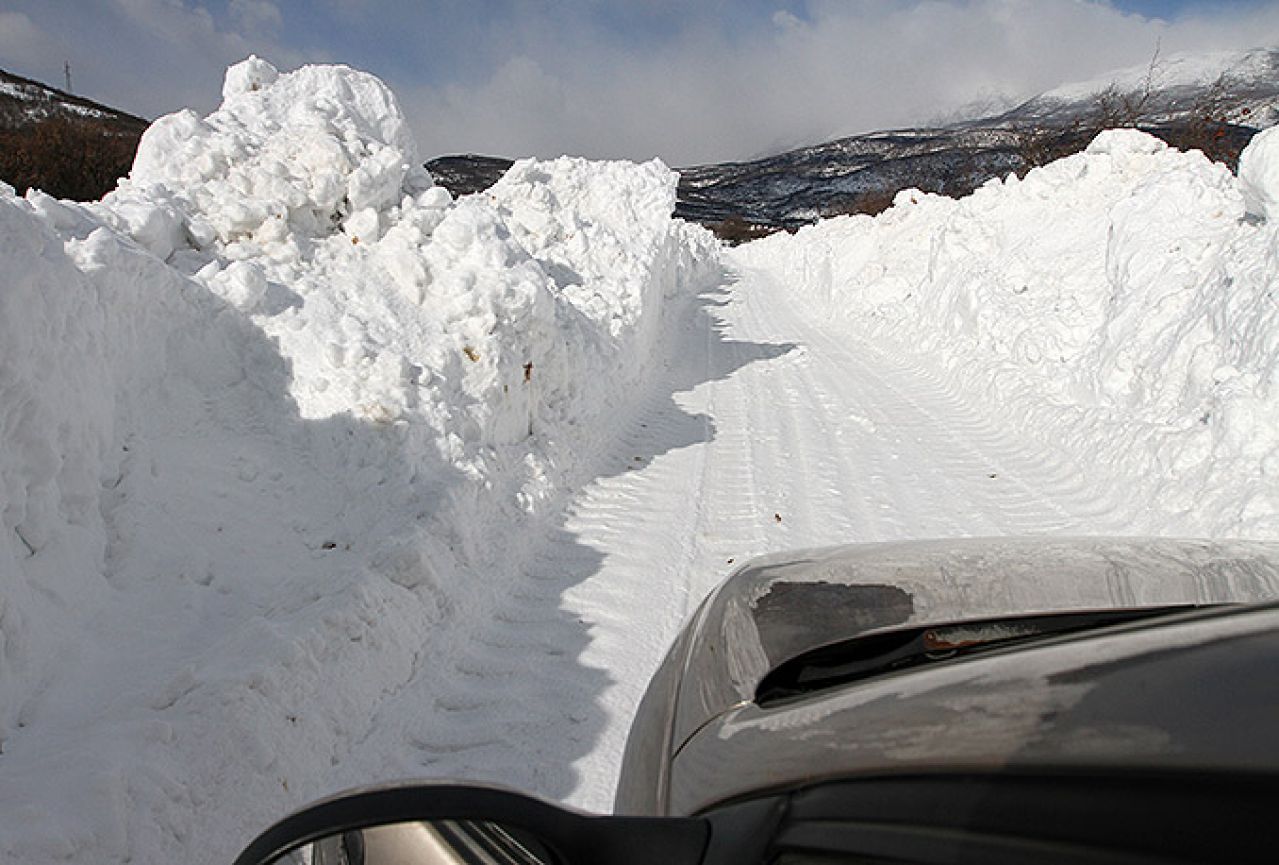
846,442
515,704
1038,489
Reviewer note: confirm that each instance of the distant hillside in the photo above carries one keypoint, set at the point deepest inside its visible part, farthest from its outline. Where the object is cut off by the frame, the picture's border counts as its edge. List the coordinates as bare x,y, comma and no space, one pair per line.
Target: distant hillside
66,145
1210,102
76,148
463,175
1214,103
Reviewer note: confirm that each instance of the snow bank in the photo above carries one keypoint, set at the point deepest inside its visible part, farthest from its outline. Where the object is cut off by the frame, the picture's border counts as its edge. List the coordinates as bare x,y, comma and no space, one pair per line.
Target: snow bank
268,415
1259,174
1117,301
299,153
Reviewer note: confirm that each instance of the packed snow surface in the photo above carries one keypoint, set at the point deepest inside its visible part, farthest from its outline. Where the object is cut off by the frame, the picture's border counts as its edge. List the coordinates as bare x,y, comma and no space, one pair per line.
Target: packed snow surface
311,476
1121,301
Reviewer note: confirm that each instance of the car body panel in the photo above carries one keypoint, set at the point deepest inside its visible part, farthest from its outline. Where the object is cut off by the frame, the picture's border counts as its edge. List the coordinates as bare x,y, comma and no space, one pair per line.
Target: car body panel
1197,695
779,607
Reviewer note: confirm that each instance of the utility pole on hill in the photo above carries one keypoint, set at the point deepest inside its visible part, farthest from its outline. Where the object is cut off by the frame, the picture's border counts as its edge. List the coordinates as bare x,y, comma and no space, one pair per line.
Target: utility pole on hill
66,68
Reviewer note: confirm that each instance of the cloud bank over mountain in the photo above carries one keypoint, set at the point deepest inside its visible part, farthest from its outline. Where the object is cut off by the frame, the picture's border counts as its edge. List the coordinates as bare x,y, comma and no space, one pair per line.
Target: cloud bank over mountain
609,79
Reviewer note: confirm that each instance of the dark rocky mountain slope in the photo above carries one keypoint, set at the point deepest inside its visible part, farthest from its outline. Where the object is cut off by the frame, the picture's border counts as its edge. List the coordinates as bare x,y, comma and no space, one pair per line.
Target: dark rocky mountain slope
68,146
1214,104
75,148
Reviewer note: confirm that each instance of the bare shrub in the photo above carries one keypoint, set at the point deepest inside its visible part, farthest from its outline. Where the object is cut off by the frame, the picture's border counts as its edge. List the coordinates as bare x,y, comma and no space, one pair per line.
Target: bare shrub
736,230
1210,129
1112,108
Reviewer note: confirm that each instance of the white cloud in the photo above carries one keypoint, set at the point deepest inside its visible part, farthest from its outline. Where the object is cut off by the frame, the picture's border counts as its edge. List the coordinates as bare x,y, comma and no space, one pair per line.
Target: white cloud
22,43
715,80
786,20
170,54
842,68
256,16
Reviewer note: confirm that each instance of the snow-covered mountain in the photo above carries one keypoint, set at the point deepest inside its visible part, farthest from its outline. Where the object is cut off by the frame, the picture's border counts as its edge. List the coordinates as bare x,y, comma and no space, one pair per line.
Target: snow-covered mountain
24,102
1211,102
1229,86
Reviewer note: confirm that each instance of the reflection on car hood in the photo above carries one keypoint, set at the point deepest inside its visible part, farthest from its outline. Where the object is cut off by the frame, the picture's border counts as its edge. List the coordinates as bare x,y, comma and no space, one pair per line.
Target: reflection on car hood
1192,693
782,606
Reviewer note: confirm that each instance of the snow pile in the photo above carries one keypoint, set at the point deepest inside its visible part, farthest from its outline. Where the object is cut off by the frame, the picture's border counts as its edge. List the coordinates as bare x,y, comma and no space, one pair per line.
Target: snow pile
270,413
1117,301
1259,175
301,153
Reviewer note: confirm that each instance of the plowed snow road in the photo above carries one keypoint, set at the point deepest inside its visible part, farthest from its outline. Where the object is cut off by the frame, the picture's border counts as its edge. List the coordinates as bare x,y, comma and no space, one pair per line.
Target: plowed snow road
763,432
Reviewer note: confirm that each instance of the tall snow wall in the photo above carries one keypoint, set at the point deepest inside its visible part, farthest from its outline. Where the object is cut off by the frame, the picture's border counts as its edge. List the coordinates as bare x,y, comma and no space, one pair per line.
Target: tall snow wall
269,416
1121,302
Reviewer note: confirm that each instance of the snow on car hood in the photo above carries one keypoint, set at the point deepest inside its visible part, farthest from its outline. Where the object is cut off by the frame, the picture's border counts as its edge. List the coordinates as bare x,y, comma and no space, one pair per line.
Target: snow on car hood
1190,693
779,607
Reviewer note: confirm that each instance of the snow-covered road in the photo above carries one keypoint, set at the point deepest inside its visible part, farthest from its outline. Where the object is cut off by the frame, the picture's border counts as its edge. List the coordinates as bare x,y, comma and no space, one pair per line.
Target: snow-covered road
764,432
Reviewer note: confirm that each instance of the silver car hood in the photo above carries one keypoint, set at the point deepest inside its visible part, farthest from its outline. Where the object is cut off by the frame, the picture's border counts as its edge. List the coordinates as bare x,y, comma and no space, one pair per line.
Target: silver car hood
779,607
776,608
1191,693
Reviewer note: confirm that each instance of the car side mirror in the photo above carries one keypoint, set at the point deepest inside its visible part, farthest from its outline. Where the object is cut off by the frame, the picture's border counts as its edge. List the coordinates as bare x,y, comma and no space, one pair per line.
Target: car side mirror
436,824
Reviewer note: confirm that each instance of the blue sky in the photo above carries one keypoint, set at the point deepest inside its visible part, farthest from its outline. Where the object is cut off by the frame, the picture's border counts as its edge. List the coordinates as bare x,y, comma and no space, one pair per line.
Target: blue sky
1170,9
700,80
